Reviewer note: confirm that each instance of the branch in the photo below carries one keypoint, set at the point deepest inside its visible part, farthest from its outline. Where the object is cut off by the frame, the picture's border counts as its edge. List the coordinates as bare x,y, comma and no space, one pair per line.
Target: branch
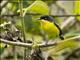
40,45
15,43
23,44
67,22
3,3
35,14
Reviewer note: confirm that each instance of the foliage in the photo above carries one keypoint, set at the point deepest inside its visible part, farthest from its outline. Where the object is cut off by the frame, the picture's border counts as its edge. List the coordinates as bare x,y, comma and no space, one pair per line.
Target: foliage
77,9
22,25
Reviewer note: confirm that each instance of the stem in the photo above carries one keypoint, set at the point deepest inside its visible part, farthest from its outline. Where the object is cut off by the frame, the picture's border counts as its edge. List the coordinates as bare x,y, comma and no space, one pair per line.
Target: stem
14,53
23,26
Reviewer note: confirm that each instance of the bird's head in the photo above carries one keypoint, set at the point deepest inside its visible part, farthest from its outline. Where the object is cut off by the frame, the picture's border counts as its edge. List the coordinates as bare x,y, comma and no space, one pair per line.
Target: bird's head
46,17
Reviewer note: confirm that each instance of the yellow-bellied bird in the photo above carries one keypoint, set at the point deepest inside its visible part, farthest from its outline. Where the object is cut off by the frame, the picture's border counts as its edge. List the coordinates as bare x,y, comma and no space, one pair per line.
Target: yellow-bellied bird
50,27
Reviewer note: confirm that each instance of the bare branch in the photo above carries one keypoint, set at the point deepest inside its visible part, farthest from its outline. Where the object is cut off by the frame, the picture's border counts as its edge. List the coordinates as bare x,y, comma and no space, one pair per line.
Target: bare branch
40,45
15,43
3,3
67,22
35,14
23,44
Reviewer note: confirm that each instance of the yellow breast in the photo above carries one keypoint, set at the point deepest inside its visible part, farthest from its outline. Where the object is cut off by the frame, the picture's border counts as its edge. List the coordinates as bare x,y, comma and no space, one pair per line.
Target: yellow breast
49,28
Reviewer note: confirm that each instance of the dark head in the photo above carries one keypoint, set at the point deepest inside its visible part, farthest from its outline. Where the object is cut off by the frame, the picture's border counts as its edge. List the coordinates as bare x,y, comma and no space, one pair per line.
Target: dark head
46,17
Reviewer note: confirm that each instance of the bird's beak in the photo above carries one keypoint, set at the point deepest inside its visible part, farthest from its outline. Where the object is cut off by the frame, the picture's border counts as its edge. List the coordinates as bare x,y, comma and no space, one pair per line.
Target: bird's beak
38,19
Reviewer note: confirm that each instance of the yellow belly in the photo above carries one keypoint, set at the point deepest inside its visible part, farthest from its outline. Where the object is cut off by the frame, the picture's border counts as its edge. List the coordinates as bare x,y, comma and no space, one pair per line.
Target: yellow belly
50,29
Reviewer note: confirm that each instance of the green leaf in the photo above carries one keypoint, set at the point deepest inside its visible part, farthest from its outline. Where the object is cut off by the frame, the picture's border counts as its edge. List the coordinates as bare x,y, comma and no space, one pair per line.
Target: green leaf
28,23
67,43
72,34
38,7
77,9
2,45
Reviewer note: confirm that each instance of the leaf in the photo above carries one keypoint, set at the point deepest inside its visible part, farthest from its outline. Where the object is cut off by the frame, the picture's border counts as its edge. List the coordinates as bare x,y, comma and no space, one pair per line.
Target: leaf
28,22
72,34
77,9
67,43
38,7
2,47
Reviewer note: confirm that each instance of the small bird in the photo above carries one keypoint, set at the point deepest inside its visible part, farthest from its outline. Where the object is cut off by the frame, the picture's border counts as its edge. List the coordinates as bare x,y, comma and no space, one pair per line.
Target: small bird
50,27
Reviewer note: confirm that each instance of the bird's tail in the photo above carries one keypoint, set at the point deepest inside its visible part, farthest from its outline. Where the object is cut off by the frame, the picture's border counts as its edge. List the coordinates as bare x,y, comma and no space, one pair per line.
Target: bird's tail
61,37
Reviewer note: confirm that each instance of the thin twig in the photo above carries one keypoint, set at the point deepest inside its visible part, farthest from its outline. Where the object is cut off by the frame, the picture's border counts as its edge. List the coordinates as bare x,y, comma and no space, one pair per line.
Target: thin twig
14,53
23,26
35,14
66,22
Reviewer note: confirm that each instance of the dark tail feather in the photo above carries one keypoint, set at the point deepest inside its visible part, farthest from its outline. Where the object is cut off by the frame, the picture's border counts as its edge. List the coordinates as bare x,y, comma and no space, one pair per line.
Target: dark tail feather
61,37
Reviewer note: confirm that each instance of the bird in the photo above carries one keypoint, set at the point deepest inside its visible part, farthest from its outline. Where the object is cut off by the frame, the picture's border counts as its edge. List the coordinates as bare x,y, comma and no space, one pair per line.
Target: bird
50,27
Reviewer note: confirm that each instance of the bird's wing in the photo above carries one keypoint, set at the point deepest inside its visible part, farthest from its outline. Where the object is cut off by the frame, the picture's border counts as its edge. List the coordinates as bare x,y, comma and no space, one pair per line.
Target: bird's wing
60,34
